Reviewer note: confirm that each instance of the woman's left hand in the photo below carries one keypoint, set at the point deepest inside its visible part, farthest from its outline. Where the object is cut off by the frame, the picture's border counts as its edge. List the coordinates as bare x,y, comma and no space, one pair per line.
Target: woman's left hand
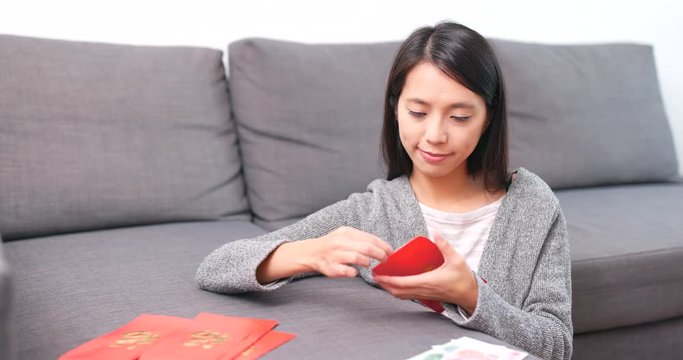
453,282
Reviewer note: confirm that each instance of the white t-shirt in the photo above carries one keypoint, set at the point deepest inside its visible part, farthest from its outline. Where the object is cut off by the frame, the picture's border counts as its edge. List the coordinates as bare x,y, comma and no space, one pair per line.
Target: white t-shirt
466,232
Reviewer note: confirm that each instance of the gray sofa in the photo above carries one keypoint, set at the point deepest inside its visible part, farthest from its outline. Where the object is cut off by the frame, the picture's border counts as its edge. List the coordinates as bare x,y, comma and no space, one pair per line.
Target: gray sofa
121,167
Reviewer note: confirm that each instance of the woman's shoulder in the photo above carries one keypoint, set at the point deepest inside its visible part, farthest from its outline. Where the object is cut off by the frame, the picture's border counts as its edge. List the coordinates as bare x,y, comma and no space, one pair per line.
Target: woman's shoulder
526,185
399,184
381,191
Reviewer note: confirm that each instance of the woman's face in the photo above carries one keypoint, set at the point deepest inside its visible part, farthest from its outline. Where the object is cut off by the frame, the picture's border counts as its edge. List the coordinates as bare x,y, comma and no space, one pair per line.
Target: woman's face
440,122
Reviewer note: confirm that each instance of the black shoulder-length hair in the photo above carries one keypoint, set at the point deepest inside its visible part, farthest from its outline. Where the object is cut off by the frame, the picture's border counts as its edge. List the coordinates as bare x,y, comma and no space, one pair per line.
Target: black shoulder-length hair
465,56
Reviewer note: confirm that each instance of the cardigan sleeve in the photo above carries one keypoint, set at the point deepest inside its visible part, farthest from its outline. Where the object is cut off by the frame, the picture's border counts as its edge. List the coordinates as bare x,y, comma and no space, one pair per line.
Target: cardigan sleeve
543,325
232,267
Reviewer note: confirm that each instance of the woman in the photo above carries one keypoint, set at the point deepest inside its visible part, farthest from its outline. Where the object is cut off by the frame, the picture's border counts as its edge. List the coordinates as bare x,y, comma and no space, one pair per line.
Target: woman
503,236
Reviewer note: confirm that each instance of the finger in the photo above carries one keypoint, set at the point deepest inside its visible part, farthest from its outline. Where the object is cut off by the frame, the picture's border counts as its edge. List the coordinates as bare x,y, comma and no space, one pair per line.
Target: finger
401,282
367,248
341,270
445,247
381,279
388,288
403,294
382,249
384,281
386,248
352,257
378,253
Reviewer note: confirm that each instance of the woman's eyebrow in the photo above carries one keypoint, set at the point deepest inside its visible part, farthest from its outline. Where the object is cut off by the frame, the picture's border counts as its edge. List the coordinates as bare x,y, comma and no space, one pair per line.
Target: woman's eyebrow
418,101
456,105
459,105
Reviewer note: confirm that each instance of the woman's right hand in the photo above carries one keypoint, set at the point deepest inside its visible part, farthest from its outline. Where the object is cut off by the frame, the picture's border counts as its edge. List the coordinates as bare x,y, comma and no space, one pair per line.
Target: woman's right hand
333,254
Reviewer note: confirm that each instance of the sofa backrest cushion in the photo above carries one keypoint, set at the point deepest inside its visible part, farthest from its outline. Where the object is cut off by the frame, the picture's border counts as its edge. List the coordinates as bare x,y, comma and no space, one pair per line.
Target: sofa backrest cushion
583,115
96,135
309,120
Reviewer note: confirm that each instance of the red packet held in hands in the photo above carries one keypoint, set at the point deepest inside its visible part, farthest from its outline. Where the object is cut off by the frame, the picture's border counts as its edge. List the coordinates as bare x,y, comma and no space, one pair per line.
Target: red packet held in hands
416,257
130,340
209,336
264,345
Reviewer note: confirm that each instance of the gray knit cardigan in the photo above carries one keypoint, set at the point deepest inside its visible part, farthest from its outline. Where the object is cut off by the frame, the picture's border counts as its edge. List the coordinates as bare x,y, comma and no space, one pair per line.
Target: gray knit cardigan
524,276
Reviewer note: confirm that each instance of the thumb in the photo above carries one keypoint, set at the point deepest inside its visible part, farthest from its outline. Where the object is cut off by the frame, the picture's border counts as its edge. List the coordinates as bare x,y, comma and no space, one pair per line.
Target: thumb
446,249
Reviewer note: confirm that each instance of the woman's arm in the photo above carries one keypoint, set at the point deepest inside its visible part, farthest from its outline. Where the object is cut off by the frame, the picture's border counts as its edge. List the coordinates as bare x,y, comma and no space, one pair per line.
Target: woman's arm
543,325
331,255
325,242
285,261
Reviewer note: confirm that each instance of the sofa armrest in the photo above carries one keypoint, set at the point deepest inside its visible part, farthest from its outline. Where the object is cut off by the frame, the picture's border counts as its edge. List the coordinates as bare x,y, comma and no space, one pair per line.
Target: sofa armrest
5,303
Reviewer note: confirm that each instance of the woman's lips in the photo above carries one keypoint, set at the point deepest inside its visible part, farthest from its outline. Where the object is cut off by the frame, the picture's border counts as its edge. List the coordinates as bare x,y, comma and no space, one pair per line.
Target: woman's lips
432,158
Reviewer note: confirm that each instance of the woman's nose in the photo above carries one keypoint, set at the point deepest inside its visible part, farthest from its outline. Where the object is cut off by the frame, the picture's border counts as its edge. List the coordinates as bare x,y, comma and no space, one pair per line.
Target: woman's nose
435,132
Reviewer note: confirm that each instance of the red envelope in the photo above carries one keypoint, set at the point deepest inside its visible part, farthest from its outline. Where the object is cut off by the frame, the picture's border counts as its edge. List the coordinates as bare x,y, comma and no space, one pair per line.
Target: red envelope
416,257
209,337
267,343
258,327
130,340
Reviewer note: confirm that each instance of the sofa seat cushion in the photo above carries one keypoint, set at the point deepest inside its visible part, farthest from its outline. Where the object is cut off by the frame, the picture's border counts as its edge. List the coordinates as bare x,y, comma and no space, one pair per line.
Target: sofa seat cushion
627,254
72,288
96,136
658,340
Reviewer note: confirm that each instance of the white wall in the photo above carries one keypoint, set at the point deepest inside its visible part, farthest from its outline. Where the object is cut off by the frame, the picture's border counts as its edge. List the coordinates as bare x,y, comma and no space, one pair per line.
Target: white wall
216,23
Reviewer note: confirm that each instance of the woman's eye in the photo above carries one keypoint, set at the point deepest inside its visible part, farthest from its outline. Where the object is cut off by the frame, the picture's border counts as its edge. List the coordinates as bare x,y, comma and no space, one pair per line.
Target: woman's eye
416,114
460,118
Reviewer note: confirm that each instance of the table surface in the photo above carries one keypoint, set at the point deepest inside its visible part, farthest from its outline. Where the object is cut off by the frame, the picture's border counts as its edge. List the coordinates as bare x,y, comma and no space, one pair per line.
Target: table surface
349,319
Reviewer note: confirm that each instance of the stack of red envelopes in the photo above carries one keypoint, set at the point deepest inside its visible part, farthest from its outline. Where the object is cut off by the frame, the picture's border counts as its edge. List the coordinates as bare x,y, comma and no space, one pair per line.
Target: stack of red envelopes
207,336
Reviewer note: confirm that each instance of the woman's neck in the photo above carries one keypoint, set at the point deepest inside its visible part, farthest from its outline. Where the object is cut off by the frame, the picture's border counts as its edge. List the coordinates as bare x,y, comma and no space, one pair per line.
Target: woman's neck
457,192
